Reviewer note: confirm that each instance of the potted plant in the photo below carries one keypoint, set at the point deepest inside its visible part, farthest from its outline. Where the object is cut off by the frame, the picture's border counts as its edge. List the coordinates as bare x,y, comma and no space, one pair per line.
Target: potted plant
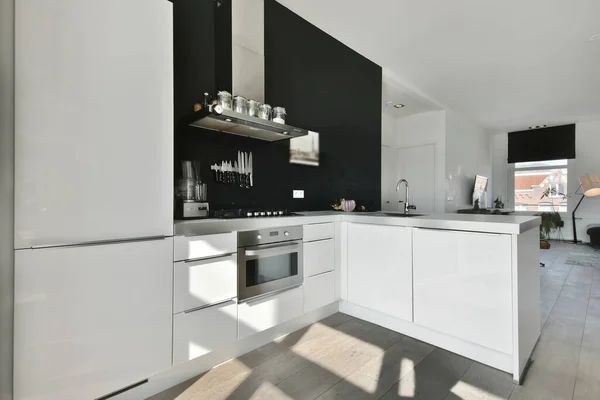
551,220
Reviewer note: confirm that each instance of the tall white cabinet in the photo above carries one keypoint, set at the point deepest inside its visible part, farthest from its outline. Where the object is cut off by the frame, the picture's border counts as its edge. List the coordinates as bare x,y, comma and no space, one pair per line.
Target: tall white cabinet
93,121
90,320
380,268
93,163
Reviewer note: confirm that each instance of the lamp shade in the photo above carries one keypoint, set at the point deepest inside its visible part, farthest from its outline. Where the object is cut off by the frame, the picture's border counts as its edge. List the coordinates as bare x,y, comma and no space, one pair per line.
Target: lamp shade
590,184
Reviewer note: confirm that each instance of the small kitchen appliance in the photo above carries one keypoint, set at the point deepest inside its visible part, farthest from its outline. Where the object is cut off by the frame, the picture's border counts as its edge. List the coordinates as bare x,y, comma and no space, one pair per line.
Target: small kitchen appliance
191,193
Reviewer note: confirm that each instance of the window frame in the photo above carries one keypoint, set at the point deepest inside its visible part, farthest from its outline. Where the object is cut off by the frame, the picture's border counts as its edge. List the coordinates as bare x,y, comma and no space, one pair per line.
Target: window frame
513,170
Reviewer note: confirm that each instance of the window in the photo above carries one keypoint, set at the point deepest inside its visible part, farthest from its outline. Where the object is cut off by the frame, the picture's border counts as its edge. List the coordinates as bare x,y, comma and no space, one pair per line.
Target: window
533,179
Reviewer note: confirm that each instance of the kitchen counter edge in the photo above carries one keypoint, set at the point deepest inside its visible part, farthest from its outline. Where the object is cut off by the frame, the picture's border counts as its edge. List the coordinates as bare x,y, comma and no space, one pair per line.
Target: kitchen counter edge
501,224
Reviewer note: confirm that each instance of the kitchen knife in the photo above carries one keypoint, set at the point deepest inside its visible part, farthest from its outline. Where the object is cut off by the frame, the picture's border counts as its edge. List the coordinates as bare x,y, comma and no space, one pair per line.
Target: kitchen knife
245,158
251,170
242,166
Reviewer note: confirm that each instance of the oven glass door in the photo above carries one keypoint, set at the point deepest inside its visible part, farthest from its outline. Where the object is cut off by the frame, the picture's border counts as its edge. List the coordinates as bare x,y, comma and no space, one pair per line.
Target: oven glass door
269,268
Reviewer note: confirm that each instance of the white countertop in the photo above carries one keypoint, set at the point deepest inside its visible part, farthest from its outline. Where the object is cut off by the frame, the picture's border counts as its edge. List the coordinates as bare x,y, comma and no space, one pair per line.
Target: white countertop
507,224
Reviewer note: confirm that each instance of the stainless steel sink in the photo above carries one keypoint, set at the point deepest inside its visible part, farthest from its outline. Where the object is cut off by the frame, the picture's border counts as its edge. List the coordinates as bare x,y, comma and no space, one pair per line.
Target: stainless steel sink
402,215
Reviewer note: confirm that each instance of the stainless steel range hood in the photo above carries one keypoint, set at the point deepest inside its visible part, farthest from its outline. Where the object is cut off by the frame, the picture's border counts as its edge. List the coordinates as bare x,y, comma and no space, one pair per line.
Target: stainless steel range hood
244,125
246,51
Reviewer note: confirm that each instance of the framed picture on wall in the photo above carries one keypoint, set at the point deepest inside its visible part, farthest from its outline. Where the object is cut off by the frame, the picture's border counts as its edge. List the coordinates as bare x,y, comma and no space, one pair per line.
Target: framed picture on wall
305,150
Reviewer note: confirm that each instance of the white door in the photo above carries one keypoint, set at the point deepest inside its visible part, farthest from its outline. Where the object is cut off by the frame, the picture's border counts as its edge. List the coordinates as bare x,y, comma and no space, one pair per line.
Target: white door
90,320
462,285
417,165
380,268
94,120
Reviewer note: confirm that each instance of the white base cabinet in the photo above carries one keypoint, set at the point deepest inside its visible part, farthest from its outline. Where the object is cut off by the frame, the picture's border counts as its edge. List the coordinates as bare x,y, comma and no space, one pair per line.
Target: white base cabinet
319,291
204,282
90,320
462,284
380,268
257,315
199,332
319,257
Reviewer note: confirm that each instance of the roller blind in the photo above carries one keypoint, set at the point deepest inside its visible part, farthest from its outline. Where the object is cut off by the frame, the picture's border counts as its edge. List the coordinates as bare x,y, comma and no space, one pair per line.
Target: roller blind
554,143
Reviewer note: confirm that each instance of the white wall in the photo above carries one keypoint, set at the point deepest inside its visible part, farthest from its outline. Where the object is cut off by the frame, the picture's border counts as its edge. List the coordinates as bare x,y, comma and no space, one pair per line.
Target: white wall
468,153
422,129
6,194
502,181
388,159
587,161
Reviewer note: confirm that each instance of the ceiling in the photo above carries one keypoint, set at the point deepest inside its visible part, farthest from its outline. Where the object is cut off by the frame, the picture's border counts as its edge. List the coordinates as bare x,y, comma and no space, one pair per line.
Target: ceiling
505,64
394,92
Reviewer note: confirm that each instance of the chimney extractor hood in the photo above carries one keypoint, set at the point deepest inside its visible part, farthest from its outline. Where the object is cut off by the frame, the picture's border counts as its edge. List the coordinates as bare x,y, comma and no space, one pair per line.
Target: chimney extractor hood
218,119
240,70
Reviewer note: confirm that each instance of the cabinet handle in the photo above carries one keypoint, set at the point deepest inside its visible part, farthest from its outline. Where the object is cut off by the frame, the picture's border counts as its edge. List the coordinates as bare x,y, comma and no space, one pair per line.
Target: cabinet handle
120,391
191,310
267,295
208,260
100,242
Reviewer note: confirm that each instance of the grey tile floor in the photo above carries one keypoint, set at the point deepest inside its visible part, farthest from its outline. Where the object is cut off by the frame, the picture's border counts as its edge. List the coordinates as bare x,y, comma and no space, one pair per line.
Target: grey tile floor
342,357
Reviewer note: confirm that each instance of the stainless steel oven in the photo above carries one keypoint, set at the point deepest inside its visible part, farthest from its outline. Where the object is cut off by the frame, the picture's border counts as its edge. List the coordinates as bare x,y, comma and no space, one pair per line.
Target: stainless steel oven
269,260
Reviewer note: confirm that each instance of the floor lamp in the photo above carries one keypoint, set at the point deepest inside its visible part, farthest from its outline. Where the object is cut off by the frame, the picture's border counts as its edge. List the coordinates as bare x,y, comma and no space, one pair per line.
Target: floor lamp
590,184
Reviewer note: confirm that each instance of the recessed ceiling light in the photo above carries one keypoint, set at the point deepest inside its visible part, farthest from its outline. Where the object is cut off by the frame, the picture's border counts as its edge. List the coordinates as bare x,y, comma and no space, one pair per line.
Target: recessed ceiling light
595,37
398,105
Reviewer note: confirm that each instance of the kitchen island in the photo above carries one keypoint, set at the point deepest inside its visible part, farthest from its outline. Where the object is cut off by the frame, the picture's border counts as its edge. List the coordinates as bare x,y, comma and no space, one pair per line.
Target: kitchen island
466,283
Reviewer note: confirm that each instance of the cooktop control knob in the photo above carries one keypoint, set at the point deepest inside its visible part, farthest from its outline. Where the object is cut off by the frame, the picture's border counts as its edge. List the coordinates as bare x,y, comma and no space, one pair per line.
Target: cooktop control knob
286,233
259,237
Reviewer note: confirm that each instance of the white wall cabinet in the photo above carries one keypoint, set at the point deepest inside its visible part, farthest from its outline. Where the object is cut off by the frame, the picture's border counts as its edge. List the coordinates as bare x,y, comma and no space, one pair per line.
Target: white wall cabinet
199,332
90,320
380,268
260,314
204,282
462,285
93,121
319,291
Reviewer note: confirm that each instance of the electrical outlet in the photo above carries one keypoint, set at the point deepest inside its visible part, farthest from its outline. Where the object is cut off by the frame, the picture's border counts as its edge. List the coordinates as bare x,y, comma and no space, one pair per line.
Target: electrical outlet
298,194
450,198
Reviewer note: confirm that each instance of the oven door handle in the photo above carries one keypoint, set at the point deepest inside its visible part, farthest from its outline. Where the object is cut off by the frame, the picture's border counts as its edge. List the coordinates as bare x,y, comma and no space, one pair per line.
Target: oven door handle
276,250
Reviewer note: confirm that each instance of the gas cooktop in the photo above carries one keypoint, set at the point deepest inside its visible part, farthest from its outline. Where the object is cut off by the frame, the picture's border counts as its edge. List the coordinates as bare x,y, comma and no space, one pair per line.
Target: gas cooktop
251,213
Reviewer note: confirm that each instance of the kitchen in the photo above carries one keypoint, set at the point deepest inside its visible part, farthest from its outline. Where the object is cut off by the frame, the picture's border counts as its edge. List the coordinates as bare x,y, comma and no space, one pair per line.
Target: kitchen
217,255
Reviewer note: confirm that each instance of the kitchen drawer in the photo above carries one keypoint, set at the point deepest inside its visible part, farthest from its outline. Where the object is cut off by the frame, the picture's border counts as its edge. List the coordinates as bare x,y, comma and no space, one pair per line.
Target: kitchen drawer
319,291
318,231
195,247
257,315
199,332
204,282
319,257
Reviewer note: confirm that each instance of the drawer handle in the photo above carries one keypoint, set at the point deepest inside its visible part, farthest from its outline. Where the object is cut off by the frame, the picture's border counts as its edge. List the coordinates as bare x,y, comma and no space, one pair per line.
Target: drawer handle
208,260
266,296
191,310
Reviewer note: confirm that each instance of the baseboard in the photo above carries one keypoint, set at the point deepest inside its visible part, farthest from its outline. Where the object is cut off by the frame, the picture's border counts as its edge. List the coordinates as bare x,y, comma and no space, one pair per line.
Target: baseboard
182,372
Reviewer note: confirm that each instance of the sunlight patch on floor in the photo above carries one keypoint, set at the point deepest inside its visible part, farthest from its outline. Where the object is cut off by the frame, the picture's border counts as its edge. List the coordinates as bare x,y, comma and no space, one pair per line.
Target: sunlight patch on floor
465,390
406,387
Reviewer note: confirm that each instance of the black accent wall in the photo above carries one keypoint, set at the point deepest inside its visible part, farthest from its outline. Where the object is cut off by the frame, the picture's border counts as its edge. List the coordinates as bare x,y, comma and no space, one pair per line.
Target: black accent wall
324,86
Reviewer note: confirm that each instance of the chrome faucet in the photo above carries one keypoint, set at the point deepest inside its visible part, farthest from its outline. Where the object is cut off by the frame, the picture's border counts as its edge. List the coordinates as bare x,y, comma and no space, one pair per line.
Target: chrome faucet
407,205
